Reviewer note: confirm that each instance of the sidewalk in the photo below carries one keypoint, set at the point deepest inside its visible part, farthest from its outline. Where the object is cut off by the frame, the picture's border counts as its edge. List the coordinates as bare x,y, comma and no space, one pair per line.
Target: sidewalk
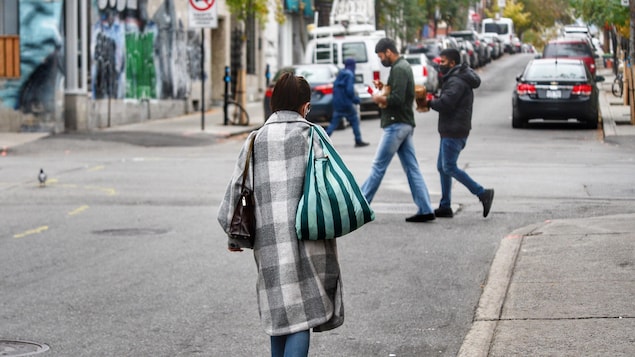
186,125
616,117
560,288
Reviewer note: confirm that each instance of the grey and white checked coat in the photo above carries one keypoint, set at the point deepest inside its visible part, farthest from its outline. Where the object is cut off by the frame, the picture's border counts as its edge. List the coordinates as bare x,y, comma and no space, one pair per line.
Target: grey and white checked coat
299,285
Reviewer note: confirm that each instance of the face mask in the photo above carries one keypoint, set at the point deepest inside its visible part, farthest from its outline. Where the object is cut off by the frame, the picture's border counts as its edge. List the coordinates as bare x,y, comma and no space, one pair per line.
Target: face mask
386,62
444,69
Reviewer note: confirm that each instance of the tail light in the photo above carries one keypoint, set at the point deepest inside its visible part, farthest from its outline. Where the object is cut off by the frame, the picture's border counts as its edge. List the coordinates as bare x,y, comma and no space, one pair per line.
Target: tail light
375,75
269,92
525,89
425,71
324,89
582,89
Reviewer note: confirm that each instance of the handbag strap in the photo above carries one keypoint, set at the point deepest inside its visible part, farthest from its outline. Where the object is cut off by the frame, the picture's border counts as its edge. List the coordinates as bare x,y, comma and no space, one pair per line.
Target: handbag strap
250,152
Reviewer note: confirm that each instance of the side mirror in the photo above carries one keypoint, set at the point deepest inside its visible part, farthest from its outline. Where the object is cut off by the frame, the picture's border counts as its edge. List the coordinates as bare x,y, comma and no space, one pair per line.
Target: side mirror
518,77
599,79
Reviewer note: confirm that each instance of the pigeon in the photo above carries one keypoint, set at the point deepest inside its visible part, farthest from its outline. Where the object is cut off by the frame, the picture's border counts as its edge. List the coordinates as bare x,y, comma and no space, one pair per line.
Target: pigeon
42,177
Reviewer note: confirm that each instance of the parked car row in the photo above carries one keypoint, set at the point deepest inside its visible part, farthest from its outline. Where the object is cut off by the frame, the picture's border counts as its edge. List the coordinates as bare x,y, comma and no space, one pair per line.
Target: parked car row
476,50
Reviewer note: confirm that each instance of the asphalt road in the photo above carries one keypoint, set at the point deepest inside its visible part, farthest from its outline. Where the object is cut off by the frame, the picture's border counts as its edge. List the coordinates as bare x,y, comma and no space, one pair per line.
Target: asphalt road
121,255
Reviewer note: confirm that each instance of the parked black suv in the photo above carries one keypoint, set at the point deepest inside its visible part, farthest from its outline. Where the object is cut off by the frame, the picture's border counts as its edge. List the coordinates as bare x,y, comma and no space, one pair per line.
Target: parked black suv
479,47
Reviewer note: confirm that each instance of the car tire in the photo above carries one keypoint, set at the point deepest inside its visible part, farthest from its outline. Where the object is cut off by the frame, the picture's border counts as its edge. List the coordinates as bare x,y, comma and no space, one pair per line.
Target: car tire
517,120
592,121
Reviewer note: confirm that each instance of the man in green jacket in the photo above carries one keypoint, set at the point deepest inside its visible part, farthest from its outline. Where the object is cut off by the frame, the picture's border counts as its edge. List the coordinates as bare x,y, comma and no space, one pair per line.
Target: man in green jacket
397,121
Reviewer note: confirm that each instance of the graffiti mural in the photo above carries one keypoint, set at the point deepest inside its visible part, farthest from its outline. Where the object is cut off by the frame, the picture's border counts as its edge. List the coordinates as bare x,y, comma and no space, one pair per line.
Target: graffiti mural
133,55
137,56
41,49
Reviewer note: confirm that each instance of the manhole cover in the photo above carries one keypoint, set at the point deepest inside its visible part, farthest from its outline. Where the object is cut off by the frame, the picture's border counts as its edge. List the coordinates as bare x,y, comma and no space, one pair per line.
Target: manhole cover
128,232
21,348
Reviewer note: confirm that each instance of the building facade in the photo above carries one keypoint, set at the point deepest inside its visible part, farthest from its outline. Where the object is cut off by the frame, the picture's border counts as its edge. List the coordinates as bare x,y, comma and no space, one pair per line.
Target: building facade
90,64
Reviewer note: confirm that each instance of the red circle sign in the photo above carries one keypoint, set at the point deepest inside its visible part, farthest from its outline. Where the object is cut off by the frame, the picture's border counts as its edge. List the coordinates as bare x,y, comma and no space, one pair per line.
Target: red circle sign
202,5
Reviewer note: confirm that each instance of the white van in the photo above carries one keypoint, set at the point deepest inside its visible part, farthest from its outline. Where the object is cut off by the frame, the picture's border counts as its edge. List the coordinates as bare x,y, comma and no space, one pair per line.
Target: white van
368,67
504,27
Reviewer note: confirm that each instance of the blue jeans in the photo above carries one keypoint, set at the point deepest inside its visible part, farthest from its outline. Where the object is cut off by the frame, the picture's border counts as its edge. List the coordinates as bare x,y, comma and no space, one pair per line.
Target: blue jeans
293,345
353,118
397,138
449,151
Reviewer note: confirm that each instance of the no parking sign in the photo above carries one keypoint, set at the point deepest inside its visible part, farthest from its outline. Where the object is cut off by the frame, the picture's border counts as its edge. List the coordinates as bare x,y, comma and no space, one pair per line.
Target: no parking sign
203,13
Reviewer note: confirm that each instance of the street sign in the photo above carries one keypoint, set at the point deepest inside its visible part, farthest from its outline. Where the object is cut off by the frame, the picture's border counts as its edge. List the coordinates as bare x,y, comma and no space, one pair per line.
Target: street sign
625,3
203,13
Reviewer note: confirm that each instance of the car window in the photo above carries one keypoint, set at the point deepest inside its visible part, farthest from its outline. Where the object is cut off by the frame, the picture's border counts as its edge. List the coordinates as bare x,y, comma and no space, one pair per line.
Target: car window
322,52
574,49
355,50
413,60
554,70
315,74
498,28
467,36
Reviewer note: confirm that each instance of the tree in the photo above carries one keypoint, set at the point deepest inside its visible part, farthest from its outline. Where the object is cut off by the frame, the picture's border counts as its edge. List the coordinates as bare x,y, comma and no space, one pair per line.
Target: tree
545,14
401,19
603,12
243,9
522,19
533,15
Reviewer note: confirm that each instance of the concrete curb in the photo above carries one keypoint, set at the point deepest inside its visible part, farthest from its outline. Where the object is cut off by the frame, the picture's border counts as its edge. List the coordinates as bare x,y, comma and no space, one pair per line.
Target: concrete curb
478,340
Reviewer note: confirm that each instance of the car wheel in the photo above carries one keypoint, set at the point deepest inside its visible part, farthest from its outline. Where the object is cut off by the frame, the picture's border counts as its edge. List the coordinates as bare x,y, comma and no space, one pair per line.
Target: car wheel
592,121
517,120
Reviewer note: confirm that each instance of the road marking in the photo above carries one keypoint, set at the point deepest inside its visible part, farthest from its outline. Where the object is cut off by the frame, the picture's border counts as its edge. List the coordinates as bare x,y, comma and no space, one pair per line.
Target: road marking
78,210
97,168
108,190
31,231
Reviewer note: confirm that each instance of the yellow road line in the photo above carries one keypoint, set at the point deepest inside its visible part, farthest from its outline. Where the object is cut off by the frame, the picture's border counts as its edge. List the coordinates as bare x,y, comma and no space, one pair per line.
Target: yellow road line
78,210
31,231
97,168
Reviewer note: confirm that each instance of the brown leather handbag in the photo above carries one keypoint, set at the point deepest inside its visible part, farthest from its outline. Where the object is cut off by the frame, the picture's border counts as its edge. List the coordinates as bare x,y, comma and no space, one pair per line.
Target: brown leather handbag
243,223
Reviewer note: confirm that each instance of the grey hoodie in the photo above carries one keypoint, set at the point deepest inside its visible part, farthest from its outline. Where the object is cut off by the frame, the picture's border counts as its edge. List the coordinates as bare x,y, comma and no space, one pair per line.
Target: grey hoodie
454,104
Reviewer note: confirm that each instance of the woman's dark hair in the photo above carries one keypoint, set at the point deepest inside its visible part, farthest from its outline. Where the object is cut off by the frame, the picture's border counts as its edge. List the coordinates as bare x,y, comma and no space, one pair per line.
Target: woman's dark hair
290,93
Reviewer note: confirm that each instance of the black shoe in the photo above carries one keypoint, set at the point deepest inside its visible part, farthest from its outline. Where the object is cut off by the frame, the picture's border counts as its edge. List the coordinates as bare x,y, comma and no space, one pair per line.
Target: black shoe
486,198
421,218
445,212
361,144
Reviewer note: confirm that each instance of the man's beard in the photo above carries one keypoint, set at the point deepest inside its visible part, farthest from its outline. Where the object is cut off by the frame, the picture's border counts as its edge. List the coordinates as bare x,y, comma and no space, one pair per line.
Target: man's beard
386,62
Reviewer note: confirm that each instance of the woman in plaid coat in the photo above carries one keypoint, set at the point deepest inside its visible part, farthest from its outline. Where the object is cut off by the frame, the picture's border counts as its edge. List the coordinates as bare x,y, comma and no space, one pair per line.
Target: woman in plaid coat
299,284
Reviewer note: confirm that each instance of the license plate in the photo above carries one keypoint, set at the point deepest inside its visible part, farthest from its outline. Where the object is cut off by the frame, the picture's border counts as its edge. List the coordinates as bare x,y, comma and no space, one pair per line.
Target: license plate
555,94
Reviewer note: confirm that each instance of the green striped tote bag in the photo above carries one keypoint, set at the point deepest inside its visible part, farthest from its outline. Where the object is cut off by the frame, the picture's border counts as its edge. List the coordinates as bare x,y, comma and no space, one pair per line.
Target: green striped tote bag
332,203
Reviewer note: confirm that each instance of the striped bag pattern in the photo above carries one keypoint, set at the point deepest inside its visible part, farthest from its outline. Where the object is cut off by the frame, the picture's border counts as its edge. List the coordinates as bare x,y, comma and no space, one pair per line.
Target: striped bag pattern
332,203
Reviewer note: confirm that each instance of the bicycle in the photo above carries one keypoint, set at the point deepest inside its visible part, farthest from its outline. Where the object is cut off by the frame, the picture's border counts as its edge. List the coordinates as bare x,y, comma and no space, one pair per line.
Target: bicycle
236,113
618,85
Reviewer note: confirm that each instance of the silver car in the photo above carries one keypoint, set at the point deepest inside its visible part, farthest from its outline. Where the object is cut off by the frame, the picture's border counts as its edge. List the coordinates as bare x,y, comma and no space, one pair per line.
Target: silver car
424,71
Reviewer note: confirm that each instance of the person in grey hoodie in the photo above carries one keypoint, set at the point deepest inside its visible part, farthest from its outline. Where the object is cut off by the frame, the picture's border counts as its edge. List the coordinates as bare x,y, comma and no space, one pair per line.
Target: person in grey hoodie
454,105
344,100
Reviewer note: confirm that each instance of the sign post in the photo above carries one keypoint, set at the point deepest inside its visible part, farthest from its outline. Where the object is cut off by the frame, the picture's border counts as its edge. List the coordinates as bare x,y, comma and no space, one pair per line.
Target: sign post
203,14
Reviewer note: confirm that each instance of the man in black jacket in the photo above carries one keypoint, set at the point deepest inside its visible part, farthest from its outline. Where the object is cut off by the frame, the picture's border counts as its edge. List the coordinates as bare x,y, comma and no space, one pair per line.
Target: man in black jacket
454,105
